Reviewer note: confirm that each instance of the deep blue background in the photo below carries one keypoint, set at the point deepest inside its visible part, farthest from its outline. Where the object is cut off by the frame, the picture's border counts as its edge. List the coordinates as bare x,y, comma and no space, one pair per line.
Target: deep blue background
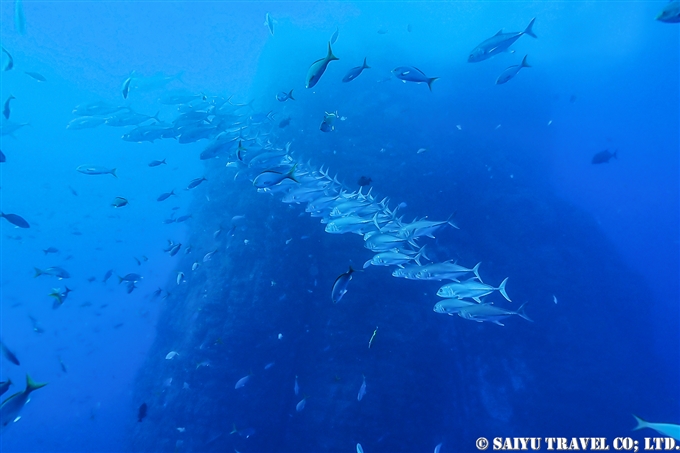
603,76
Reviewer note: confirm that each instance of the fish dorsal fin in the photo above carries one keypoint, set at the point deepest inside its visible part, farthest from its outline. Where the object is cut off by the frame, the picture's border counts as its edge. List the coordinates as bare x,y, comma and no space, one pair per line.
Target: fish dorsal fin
419,70
500,32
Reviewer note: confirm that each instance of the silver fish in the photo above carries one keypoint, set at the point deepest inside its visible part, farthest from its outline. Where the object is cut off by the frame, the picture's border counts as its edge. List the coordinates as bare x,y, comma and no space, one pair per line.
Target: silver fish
498,43
362,390
96,170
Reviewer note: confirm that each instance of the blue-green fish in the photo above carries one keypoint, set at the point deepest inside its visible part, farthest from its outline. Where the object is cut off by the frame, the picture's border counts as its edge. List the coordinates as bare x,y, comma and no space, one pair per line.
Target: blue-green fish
317,68
270,178
355,72
340,285
670,13
11,407
413,74
511,71
283,96
15,220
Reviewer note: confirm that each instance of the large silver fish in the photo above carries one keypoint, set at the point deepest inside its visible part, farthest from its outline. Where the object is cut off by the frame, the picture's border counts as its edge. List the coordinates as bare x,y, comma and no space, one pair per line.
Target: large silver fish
498,43
490,313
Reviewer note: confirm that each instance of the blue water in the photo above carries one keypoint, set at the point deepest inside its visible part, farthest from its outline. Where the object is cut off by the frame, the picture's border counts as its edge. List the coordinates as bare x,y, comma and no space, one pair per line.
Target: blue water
512,161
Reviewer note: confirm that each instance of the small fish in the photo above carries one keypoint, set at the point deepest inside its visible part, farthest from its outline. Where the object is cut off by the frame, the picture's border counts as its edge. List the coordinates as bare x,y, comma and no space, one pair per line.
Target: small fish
670,13
421,150
511,71
195,266
139,263
183,218
141,413
317,68
11,407
283,96
269,23
364,181
296,388
242,382
180,277
62,365
413,74
269,365
301,405
53,271
125,90
208,256
334,37
108,275
171,355
195,182
36,325
50,250
19,17
327,123
10,60
129,278
355,72
5,109
360,449
119,202
36,76
165,195
15,220
9,355
3,158
362,390
156,163
175,248
555,299
340,285
603,157
438,447
96,170
284,122
4,386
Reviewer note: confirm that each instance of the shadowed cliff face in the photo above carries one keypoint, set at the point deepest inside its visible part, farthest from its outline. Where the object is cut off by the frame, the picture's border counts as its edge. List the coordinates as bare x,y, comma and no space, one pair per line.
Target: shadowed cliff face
581,367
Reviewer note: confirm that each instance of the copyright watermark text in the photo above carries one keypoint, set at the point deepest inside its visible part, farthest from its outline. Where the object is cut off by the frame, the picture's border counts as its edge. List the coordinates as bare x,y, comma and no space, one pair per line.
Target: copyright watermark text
577,444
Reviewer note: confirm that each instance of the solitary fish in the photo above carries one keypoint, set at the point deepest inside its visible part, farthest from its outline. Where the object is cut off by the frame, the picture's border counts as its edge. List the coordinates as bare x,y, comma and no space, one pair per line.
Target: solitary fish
301,405
269,23
165,195
96,170
498,43
270,178
156,163
11,407
119,202
413,74
125,90
364,181
511,71
36,76
603,157
296,388
141,413
19,17
108,275
9,354
195,182
670,13
360,449
5,108
362,390
50,250
665,429
15,220
4,386
354,72
340,285
242,382
53,271
317,68
283,96
328,120
335,36
10,61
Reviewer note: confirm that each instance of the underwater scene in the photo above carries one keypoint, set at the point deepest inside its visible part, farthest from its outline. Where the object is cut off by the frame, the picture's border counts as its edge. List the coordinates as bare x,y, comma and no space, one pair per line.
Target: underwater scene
339,226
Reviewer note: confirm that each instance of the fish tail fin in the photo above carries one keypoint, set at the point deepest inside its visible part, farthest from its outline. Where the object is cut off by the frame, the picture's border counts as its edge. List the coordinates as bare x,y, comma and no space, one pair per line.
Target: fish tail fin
235,431
475,270
524,62
45,251
501,288
421,253
38,272
529,30
365,66
330,56
164,162
453,214
290,95
113,172
31,385
522,313
120,279
291,173
429,82
640,423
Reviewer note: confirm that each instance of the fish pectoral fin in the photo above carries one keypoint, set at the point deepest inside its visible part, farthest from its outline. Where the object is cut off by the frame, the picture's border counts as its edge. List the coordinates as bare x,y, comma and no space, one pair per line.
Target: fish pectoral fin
499,323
